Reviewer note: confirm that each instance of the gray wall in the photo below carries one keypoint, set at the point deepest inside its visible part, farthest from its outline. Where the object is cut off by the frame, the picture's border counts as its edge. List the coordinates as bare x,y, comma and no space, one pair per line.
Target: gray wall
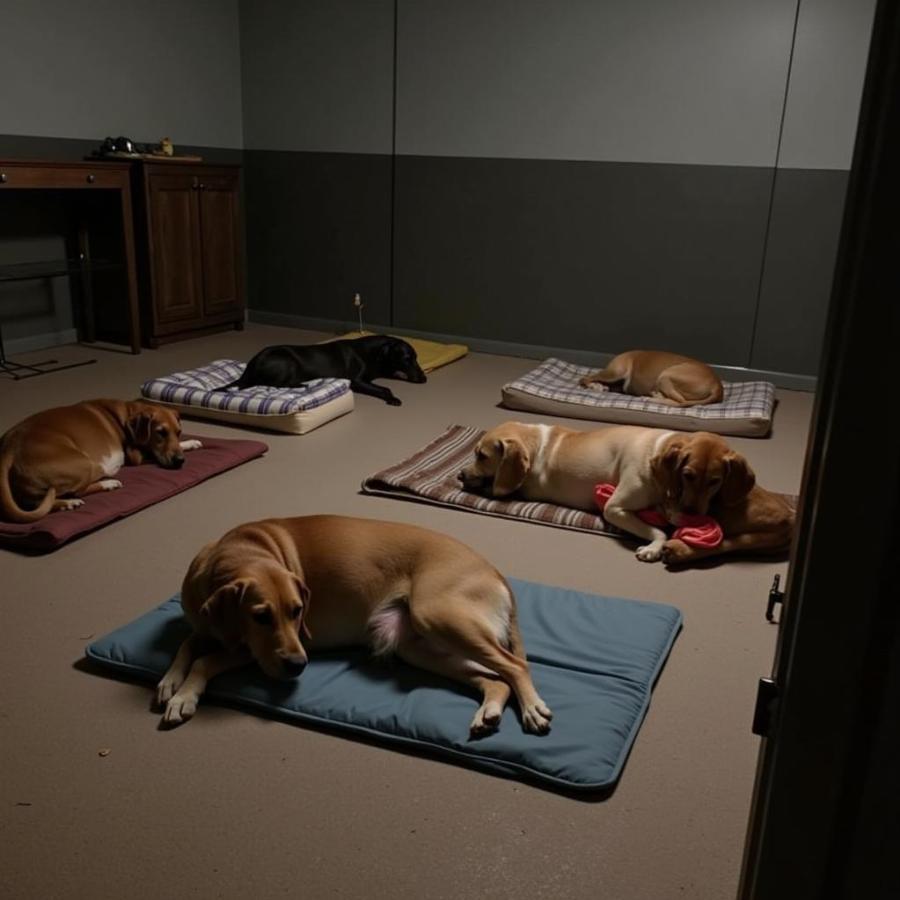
99,67
591,175
698,81
73,73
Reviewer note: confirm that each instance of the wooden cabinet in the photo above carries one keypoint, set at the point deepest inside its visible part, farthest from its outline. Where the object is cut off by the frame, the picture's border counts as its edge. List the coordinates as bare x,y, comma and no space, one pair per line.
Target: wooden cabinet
190,272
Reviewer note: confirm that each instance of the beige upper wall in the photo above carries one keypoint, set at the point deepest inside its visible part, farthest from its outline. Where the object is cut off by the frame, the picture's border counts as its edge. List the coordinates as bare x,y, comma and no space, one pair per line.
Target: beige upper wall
93,68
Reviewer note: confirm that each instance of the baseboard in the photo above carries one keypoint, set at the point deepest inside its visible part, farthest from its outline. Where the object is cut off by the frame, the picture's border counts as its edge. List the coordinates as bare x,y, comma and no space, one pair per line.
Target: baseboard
787,380
40,341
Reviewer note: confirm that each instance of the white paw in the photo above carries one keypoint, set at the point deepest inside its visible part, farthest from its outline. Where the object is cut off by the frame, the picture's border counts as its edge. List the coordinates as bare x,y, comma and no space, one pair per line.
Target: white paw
167,688
486,720
536,717
110,484
191,445
180,708
70,503
598,386
649,552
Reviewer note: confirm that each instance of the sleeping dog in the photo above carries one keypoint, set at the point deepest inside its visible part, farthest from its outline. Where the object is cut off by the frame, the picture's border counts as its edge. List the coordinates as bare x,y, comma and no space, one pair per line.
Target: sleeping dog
361,360
53,459
272,591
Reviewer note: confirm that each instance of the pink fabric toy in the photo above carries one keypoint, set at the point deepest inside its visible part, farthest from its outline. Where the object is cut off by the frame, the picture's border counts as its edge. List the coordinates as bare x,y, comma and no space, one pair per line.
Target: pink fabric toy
695,531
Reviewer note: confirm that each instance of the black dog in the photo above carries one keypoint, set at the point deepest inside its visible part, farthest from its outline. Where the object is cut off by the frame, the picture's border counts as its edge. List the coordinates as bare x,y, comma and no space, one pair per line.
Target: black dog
361,360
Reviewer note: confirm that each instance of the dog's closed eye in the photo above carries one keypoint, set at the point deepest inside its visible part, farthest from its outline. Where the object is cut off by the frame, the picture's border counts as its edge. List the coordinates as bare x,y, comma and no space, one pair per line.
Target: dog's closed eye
262,615
295,611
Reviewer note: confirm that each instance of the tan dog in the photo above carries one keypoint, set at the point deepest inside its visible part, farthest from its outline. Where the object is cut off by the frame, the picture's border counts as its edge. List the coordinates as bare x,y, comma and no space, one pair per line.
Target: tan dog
563,466
339,582
667,377
700,474
52,459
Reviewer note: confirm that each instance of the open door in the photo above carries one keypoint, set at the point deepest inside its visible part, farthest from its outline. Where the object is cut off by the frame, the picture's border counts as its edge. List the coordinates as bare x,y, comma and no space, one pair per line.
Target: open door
824,818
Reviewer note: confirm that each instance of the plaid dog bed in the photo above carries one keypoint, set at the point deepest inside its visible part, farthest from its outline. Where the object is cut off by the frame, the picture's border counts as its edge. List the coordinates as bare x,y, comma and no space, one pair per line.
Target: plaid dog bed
199,392
553,388
430,476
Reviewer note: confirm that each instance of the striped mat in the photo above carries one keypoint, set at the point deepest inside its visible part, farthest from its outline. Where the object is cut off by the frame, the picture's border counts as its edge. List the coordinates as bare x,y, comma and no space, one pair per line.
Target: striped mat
430,476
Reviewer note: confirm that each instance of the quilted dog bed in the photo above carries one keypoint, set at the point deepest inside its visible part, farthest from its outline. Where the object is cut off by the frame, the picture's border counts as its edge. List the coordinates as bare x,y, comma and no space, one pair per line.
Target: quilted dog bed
142,486
553,388
198,393
429,475
594,660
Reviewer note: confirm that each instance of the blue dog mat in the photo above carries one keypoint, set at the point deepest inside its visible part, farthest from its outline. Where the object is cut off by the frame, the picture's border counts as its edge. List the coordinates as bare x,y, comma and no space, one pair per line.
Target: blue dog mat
593,659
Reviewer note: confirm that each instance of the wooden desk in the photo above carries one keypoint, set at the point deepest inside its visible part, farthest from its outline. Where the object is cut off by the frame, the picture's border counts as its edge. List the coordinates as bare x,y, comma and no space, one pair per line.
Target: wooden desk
36,175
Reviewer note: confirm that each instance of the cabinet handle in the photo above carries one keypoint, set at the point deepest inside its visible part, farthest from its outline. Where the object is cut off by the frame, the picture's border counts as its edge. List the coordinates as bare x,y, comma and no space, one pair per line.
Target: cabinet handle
202,186
195,184
2,177
91,179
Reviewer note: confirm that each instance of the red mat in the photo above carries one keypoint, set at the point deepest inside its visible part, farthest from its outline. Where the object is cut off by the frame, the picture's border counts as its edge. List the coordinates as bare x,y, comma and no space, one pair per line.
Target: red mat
142,486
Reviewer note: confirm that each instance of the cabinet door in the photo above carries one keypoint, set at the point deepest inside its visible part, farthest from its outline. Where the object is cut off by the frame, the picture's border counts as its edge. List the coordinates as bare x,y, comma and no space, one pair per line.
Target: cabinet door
220,243
175,250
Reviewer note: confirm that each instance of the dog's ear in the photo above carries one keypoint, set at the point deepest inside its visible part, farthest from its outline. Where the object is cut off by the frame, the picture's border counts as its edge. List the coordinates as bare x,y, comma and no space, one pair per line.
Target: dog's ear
222,608
514,465
139,427
739,478
304,592
666,466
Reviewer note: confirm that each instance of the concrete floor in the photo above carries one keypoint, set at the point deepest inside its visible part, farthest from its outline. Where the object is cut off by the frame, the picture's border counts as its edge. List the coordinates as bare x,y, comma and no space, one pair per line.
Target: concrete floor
232,805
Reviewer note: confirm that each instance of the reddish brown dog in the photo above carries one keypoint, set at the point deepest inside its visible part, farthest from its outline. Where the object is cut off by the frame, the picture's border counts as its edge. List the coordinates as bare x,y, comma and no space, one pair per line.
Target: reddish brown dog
701,475
52,459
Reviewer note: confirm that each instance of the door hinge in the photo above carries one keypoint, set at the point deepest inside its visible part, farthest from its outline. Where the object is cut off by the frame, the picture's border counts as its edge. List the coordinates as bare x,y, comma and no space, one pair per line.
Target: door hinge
775,596
766,705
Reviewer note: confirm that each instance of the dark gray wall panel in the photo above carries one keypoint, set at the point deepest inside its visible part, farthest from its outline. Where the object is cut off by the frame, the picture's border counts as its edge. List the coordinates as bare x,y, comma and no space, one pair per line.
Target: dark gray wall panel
99,67
697,81
318,230
318,75
807,210
594,256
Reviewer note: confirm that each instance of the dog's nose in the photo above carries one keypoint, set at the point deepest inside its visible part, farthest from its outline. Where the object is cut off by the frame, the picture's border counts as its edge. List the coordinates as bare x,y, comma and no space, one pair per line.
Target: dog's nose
177,462
293,668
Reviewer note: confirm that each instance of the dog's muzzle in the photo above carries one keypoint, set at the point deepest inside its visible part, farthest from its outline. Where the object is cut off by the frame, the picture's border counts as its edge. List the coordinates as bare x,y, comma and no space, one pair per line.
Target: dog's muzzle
293,668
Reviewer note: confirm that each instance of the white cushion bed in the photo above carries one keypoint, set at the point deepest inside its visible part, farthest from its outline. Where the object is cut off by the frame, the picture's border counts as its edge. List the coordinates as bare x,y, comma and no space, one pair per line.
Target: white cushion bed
553,388
198,393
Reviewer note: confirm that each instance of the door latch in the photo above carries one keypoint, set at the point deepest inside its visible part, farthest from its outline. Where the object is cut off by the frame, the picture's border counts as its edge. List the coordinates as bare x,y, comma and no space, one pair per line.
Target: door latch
775,596
766,705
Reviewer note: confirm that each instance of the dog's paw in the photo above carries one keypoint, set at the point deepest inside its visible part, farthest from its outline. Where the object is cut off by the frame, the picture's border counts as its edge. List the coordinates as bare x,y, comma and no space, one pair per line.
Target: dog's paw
649,552
167,688
69,503
110,484
394,401
180,708
536,717
593,385
191,445
675,552
487,719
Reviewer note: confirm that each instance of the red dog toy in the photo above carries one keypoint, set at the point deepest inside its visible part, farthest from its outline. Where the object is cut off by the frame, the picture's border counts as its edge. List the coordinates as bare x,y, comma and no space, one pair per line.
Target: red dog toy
695,531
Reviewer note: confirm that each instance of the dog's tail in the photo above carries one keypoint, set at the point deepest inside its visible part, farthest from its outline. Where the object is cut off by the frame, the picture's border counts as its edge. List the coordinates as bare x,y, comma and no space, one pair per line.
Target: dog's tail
11,510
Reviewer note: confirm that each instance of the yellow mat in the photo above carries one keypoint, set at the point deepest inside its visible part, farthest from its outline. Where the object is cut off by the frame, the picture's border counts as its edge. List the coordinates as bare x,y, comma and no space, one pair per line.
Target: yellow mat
431,354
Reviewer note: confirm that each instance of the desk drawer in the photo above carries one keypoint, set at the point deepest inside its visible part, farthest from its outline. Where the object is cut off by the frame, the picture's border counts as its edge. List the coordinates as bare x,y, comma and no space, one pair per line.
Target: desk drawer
15,176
